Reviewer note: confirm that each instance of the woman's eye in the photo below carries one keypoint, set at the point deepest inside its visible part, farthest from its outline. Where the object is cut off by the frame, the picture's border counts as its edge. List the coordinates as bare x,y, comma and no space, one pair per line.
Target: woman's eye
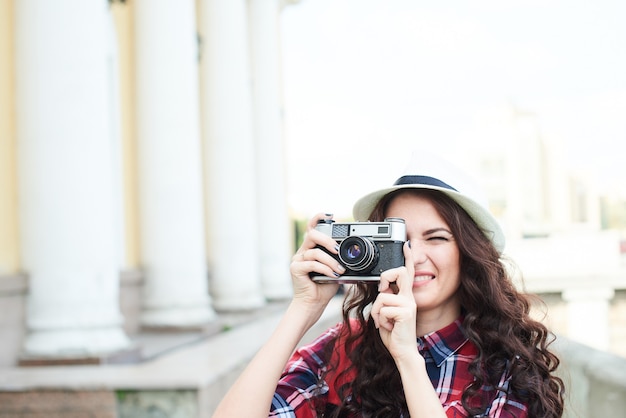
438,238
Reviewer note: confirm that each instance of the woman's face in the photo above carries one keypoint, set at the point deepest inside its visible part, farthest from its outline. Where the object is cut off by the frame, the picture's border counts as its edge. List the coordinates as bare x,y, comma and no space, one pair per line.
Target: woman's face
435,255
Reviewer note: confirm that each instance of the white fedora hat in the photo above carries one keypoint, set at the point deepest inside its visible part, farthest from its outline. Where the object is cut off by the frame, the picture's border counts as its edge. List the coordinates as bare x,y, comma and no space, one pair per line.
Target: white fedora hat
429,171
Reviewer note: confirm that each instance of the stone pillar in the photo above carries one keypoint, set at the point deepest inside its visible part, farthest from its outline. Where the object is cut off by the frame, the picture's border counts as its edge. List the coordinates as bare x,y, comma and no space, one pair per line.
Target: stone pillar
9,255
274,228
229,156
65,178
173,248
115,110
588,316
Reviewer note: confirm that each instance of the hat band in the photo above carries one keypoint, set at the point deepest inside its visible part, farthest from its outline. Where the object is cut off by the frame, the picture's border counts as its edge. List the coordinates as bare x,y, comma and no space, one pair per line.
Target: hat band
425,180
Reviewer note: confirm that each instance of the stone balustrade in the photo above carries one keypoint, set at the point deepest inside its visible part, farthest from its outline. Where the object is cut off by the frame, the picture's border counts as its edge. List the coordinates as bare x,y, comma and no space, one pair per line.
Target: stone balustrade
595,379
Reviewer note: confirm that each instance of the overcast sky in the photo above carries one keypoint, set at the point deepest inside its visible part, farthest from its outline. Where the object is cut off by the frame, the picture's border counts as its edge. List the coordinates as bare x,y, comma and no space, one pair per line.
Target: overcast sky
369,79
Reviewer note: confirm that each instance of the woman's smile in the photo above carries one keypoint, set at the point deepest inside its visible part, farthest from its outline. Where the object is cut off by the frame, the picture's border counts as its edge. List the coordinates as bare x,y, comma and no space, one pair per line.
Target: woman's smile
434,254
422,279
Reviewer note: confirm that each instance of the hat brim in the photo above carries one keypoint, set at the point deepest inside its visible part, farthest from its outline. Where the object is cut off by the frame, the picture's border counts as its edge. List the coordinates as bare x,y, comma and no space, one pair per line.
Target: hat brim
364,207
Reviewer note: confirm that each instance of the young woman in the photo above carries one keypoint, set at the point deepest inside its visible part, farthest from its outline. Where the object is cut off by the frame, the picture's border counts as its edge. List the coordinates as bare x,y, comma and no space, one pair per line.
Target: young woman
445,335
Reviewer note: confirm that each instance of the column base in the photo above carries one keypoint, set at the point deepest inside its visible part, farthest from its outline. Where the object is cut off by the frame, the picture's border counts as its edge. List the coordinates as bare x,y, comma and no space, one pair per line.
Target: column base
230,303
127,356
76,346
177,318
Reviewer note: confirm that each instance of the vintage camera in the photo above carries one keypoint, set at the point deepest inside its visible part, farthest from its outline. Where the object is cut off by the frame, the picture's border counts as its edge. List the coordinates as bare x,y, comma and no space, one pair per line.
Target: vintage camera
366,249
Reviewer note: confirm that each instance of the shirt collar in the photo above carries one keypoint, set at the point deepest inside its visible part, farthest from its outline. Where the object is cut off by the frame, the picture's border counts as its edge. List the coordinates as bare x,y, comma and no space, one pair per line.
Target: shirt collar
445,342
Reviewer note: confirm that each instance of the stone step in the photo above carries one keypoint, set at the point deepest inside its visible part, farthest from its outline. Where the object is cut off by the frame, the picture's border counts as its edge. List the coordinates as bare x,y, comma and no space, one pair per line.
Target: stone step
184,382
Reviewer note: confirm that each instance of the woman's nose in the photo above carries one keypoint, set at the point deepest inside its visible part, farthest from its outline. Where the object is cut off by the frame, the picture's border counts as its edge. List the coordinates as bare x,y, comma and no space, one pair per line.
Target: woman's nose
418,251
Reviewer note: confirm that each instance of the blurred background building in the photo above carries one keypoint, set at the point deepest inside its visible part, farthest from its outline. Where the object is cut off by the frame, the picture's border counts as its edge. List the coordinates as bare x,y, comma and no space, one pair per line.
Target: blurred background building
145,205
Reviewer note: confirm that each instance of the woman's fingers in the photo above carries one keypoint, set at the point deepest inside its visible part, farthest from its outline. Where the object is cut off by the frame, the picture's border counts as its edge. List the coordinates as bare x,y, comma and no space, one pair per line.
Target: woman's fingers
318,261
384,310
316,254
410,269
315,220
395,301
316,238
399,280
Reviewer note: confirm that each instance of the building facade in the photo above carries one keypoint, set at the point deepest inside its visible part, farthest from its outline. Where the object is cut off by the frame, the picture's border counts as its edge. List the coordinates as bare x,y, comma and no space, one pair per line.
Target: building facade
139,140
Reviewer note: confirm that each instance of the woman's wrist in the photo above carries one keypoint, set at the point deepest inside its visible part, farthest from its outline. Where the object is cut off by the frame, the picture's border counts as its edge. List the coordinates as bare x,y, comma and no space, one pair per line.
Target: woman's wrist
410,361
305,313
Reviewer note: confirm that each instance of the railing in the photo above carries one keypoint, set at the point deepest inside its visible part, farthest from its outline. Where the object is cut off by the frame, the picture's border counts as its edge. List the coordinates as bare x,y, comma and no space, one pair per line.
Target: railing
596,381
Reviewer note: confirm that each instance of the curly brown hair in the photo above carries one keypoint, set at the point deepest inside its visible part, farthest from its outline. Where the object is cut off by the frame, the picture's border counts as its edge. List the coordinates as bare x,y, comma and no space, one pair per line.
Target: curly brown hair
496,320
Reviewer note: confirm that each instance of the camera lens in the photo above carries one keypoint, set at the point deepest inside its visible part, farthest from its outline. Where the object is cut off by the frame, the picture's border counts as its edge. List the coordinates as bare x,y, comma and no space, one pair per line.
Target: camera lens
353,252
358,253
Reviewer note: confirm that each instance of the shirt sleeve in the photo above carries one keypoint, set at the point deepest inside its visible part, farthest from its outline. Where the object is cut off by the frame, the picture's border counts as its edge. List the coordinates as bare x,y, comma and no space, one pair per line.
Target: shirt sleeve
299,383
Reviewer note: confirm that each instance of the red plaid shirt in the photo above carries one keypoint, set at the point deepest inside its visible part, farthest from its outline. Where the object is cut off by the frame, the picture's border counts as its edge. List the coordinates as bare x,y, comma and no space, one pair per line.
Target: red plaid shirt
447,352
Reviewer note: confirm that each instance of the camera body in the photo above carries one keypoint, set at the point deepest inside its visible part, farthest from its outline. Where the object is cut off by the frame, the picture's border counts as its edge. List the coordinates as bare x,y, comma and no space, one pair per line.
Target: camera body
366,249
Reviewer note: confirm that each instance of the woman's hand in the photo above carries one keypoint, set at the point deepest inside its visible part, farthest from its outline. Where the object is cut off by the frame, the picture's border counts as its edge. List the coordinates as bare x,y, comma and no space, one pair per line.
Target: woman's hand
257,382
309,258
394,311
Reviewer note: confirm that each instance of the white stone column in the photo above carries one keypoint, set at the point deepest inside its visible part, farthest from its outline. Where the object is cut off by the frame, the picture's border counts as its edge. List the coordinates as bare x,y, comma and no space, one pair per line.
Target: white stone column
229,156
588,315
274,228
65,178
173,248
115,112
